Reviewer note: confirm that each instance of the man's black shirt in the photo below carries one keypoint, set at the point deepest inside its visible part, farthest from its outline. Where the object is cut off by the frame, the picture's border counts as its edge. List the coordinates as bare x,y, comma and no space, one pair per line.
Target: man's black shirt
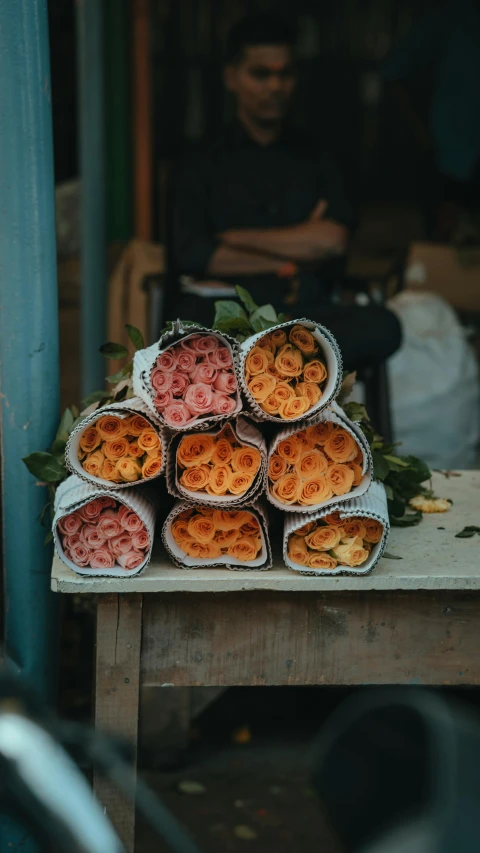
236,183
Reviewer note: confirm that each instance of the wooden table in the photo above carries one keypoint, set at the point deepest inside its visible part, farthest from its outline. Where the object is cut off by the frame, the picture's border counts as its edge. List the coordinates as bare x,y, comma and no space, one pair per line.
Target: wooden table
411,621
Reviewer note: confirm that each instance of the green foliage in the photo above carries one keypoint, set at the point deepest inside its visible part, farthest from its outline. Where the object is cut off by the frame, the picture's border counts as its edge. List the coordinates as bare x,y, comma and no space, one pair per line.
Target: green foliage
112,350
135,336
240,322
468,532
45,467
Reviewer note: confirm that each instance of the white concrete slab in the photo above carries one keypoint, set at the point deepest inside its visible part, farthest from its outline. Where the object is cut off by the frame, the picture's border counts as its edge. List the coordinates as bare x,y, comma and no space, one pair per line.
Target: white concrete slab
432,558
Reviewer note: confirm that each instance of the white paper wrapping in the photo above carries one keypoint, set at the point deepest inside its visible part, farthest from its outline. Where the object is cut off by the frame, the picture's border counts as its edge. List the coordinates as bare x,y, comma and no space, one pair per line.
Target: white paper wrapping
73,493
333,413
134,406
246,433
333,360
373,504
144,362
183,561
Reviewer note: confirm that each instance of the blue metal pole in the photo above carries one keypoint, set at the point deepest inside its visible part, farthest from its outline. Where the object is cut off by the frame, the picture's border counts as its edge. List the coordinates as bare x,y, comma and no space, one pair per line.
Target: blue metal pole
90,46
29,379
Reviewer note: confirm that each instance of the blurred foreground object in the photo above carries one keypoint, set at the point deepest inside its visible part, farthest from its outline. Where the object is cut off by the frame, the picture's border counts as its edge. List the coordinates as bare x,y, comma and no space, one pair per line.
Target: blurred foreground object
453,273
398,772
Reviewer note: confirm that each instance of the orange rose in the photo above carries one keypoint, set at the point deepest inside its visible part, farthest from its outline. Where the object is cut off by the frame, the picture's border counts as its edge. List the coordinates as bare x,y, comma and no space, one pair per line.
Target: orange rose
195,450
297,550
93,464
289,361
128,469
109,471
340,478
359,457
196,479
353,528
321,432
225,538
278,337
134,450
374,530
244,549
294,408
310,390
321,560
250,528
303,436
155,452
351,553
315,371
257,361
218,480
284,391
287,489
303,339
246,460
90,439
312,463
290,449
277,467
196,550
135,425
323,538
149,440
261,386
315,491
266,343
222,452
229,519
109,426
179,528
333,519
340,446
305,528
271,404
151,467
239,483
272,371
214,550
357,473
201,528
115,449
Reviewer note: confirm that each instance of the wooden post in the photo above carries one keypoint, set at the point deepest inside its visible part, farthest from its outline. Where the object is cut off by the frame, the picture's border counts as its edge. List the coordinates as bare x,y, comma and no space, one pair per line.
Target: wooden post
142,122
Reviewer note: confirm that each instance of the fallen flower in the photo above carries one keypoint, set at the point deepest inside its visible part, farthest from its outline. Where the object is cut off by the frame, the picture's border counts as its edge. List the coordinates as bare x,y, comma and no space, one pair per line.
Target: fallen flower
430,504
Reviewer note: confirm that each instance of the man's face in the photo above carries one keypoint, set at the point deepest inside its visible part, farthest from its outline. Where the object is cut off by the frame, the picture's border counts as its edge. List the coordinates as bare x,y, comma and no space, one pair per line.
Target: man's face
263,82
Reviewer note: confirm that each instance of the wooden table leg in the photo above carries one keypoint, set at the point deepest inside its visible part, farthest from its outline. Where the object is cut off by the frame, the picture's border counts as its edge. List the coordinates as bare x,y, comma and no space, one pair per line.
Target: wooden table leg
117,688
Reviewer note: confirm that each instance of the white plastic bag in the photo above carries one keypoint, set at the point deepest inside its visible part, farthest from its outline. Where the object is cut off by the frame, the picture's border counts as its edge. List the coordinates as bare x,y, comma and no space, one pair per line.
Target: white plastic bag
434,383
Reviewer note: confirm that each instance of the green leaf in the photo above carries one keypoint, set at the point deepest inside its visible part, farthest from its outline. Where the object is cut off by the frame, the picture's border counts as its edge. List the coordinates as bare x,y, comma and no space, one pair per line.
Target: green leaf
65,426
467,532
235,327
58,447
281,317
267,312
381,468
43,513
355,411
397,460
388,556
260,324
94,397
75,411
247,300
112,350
407,520
120,395
135,336
226,309
122,374
389,492
45,466
48,538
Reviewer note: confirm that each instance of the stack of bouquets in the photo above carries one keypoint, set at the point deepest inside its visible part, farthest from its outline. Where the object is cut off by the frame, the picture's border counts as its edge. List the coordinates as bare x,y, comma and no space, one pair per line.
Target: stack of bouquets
198,415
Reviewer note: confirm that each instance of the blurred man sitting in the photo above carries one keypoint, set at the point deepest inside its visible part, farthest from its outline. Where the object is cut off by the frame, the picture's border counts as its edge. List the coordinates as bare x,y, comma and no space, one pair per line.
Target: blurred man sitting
261,207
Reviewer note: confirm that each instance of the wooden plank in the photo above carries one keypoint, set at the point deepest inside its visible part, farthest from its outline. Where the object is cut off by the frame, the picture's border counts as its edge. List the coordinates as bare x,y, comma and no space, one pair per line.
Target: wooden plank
279,639
117,682
432,558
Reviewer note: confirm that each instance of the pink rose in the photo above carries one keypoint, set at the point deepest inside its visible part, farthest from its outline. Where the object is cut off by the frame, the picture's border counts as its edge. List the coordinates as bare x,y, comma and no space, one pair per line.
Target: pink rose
90,511
180,383
120,544
80,555
141,539
108,524
160,379
185,360
177,414
226,382
162,399
106,501
167,360
93,537
102,559
70,523
199,399
222,357
132,560
129,520
71,541
190,343
223,405
204,372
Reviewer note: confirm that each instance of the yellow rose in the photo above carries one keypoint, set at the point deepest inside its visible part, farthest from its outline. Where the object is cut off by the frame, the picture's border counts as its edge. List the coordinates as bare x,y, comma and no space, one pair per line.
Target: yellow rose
323,538
289,361
90,439
341,446
257,361
351,553
297,550
128,469
93,464
303,339
309,390
294,408
261,386
149,440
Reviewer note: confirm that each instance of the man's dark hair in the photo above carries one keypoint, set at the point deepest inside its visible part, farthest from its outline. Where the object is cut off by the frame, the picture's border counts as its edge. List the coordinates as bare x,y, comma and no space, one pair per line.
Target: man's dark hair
257,30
